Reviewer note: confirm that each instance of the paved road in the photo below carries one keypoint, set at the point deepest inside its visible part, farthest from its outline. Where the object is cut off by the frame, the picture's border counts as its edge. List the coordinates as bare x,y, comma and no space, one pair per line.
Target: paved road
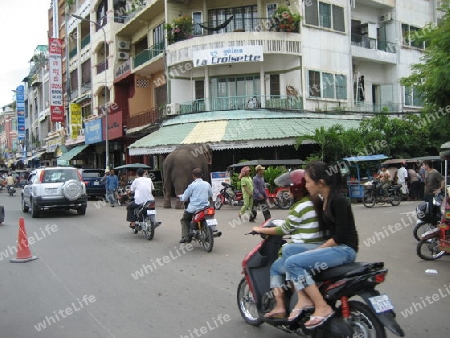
95,278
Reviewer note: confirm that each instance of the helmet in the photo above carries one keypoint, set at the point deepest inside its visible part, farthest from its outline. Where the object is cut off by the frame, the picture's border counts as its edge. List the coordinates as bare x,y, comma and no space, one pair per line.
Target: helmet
295,179
422,210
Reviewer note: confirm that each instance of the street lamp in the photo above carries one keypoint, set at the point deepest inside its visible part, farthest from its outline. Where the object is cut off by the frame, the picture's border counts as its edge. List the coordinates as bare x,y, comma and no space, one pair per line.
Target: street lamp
106,88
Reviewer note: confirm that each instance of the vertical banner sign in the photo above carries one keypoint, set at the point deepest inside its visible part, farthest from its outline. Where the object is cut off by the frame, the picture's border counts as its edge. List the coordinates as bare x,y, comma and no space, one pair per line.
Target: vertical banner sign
75,119
55,80
20,109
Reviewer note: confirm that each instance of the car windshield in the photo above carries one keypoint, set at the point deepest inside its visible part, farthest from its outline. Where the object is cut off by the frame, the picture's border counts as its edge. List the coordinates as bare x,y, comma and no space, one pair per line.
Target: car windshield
53,176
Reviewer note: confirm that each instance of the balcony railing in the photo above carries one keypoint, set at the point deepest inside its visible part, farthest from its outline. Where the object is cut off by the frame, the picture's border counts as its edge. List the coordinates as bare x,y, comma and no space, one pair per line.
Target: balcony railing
143,118
101,22
72,52
370,43
86,86
242,103
102,66
85,41
148,54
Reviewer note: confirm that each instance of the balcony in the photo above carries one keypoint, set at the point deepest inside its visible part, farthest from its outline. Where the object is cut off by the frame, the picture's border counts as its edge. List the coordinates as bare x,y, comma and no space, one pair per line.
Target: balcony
374,50
143,118
148,54
102,66
73,52
85,41
36,80
86,86
377,3
278,102
272,43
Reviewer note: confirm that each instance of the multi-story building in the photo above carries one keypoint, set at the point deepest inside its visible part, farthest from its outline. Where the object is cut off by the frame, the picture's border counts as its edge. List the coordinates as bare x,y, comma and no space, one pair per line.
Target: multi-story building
8,135
245,77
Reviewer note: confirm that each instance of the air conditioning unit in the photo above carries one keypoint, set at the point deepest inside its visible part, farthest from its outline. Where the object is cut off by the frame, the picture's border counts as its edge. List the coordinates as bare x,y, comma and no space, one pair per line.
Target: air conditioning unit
124,45
123,55
385,17
173,109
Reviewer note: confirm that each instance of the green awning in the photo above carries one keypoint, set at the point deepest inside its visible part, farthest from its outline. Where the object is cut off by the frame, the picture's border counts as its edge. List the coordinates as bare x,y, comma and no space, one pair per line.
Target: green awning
251,131
66,157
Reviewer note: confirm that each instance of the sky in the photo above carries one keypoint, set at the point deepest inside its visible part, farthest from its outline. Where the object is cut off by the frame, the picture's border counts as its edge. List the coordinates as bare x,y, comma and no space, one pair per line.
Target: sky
23,26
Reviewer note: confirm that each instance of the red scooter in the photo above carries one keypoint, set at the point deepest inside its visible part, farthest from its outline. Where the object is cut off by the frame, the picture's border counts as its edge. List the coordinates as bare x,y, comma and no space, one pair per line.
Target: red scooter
228,196
366,317
203,228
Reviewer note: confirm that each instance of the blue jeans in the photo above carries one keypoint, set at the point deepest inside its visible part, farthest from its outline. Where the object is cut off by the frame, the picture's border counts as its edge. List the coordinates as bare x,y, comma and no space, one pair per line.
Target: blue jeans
111,196
299,267
278,269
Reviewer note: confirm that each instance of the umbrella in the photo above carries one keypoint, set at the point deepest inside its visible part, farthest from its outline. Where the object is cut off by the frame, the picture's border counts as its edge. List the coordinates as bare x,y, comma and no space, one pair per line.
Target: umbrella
132,166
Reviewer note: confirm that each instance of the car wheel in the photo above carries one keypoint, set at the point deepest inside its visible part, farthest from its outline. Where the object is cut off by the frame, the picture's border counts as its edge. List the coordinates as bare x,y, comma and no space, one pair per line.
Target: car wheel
25,207
34,210
81,211
72,190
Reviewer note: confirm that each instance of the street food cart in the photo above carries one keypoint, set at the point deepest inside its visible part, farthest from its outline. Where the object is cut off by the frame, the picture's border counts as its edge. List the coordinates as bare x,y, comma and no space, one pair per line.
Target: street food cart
359,170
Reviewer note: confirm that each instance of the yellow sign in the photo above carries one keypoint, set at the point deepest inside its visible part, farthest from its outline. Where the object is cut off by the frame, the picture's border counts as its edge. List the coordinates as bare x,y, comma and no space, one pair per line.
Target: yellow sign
75,120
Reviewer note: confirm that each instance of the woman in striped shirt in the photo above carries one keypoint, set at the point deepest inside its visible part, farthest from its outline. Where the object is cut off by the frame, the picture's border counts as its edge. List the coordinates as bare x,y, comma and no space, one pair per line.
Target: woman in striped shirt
303,226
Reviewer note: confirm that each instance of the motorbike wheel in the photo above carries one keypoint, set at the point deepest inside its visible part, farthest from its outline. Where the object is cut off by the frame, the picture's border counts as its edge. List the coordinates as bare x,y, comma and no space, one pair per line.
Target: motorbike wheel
364,322
150,232
218,203
284,200
428,249
246,304
369,199
420,229
395,198
208,239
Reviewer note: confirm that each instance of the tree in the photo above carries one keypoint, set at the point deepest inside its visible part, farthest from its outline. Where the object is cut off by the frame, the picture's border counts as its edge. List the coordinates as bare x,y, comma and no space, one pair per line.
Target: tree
431,77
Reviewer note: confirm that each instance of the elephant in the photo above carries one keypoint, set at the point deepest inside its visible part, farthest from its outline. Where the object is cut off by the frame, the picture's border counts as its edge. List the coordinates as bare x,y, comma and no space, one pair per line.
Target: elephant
177,170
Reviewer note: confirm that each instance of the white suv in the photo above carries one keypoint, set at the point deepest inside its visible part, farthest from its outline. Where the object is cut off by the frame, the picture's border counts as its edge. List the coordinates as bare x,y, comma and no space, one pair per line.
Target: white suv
54,188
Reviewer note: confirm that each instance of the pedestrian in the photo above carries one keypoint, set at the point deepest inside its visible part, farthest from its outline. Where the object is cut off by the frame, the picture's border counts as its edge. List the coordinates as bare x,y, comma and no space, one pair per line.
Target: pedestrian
414,184
340,244
402,176
259,194
198,193
111,185
247,192
434,182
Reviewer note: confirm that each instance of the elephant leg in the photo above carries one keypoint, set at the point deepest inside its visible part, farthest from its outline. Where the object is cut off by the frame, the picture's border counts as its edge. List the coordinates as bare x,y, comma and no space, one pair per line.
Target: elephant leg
167,194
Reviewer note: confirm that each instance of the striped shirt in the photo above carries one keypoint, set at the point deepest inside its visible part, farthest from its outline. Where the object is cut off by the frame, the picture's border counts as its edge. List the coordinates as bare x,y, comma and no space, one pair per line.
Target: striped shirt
302,223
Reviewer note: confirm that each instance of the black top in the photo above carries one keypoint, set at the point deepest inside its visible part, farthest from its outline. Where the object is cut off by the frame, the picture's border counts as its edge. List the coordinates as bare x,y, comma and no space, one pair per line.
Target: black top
338,222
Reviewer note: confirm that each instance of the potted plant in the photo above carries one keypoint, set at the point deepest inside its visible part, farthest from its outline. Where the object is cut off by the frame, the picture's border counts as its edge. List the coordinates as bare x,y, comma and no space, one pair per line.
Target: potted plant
180,29
284,20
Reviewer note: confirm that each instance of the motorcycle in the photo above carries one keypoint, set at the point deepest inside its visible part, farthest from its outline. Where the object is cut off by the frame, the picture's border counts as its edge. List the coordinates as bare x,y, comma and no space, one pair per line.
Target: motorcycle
434,243
281,197
203,228
146,219
11,190
229,196
428,217
375,195
353,318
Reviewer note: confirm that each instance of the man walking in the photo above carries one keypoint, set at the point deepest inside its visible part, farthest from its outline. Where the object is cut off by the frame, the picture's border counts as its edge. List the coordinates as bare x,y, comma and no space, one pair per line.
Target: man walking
259,194
434,182
112,183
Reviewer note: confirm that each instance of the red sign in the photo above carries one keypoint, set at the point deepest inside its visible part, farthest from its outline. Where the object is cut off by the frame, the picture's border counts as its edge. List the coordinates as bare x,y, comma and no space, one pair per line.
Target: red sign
114,126
55,80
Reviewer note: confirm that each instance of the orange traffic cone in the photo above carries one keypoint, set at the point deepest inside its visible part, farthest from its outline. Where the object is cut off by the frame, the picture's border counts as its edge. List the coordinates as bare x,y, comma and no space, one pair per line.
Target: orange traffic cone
23,250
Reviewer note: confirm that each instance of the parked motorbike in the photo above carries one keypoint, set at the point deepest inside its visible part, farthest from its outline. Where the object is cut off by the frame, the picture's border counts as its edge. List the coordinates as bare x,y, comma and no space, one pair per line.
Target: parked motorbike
281,197
375,195
203,228
11,190
229,196
428,216
435,243
366,318
146,220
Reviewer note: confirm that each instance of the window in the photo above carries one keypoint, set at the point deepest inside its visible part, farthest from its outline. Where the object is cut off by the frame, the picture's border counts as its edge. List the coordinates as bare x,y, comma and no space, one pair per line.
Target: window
158,34
322,14
275,84
412,97
411,36
327,85
271,9
197,20
243,18
102,9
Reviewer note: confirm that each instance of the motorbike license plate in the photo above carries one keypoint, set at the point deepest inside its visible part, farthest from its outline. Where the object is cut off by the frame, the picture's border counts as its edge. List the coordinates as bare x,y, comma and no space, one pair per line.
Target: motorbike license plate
381,303
211,222
151,212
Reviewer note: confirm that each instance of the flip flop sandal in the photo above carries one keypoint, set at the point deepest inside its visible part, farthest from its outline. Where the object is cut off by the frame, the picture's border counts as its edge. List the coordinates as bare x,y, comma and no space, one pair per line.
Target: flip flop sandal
299,312
321,321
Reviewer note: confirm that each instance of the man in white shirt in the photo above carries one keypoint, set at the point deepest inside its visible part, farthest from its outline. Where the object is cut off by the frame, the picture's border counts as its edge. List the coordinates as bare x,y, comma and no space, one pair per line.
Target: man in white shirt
142,188
402,175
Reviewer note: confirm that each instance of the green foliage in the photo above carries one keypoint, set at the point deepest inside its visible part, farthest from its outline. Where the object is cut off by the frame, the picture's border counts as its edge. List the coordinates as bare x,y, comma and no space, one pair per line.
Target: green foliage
286,20
431,77
180,29
271,173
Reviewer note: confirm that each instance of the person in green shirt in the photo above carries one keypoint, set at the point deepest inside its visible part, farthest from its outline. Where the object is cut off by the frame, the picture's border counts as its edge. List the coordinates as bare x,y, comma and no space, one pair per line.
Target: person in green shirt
247,192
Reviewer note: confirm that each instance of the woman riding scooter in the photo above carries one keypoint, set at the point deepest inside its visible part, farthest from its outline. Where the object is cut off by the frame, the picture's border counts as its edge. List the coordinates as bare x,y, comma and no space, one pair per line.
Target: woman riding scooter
303,226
